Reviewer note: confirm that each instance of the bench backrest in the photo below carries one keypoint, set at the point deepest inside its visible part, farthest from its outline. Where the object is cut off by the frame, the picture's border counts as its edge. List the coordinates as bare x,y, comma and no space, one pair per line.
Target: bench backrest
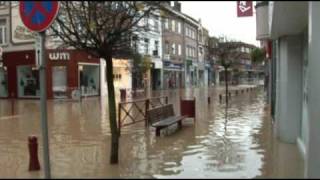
159,113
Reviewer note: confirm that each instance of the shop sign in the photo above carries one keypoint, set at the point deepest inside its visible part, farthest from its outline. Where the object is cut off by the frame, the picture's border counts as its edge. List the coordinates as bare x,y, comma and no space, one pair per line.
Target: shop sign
244,8
59,56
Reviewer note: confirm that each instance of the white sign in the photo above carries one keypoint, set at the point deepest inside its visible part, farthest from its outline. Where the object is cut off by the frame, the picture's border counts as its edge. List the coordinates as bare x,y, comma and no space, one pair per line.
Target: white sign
56,56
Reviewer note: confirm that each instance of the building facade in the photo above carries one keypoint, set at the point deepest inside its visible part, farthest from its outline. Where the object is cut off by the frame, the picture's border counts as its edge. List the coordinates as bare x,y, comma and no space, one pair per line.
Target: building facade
242,69
290,33
205,70
67,69
173,47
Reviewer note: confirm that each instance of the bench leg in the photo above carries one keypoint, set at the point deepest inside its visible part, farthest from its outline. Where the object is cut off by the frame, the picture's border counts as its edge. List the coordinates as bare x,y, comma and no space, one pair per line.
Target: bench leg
158,131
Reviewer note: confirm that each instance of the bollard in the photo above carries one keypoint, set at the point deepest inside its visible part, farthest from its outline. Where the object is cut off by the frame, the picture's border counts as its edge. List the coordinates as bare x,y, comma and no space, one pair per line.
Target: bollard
34,164
220,97
209,100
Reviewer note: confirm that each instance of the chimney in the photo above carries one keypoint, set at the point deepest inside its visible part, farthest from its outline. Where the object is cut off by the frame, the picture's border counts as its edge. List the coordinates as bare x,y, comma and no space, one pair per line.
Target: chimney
177,6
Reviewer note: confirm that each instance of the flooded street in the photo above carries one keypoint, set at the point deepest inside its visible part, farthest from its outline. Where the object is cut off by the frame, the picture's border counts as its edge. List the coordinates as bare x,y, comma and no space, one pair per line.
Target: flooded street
233,142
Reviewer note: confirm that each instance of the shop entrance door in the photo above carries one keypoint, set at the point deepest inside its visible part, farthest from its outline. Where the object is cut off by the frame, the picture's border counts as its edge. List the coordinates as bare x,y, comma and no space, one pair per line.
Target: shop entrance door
3,82
59,81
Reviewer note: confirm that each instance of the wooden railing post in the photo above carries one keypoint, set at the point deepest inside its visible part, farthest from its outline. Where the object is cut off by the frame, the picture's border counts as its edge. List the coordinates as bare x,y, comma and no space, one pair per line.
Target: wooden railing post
146,115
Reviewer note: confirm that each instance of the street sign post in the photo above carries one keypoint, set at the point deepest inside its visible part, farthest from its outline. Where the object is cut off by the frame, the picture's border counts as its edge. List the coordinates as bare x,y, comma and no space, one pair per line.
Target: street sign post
38,16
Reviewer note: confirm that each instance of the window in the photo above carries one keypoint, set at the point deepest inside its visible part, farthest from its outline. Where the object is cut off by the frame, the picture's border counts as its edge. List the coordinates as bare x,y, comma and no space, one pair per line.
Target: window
186,31
179,27
166,23
179,49
173,48
117,77
167,47
193,52
156,25
134,43
146,46
3,31
200,51
173,25
187,51
156,48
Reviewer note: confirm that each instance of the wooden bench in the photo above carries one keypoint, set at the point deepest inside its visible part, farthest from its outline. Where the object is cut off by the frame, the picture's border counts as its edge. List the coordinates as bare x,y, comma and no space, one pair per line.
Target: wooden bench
162,117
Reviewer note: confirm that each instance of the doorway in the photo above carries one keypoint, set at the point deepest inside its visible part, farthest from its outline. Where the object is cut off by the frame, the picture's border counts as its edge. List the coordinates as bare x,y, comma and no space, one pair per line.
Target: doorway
59,81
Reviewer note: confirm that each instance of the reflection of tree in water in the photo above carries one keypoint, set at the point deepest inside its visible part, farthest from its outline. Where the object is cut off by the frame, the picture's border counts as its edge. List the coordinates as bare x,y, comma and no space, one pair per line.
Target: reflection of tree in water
224,152
158,155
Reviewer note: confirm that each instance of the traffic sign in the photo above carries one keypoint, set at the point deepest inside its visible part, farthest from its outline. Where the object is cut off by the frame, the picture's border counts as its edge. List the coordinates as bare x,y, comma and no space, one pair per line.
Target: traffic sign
38,15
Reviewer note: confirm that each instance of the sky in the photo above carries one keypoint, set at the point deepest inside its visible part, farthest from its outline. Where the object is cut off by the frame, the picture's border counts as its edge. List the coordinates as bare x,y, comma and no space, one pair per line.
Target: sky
220,18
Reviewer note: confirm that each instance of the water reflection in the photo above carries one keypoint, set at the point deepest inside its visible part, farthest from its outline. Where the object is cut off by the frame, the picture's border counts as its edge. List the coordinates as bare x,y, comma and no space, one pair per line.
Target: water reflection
234,141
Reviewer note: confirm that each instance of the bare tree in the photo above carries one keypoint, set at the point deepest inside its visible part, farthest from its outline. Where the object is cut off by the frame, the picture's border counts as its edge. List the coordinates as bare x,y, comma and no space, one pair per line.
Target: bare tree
228,55
104,29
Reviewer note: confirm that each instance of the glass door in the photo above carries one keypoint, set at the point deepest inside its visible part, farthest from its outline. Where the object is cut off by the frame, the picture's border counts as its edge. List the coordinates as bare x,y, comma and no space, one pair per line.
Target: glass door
28,81
3,82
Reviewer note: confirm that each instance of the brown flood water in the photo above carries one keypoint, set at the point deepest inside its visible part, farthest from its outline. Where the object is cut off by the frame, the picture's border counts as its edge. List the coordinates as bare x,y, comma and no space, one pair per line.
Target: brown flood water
240,144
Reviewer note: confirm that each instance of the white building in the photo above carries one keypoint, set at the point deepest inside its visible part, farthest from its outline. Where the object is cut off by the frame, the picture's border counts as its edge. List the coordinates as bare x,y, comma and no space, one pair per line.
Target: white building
148,43
294,30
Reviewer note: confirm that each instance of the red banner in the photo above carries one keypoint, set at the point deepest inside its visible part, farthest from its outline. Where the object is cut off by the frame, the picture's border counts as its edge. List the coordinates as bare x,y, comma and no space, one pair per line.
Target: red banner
244,8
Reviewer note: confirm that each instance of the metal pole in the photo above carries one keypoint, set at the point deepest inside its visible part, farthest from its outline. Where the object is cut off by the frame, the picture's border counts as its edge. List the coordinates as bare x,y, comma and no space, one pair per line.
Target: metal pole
43,107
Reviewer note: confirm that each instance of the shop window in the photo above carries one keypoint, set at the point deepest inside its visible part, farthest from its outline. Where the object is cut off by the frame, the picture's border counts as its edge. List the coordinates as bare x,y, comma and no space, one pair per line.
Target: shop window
28,81
3,82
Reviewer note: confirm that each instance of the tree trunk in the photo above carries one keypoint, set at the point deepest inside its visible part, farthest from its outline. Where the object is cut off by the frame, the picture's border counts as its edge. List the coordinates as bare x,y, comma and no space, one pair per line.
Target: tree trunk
226,82
112,111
